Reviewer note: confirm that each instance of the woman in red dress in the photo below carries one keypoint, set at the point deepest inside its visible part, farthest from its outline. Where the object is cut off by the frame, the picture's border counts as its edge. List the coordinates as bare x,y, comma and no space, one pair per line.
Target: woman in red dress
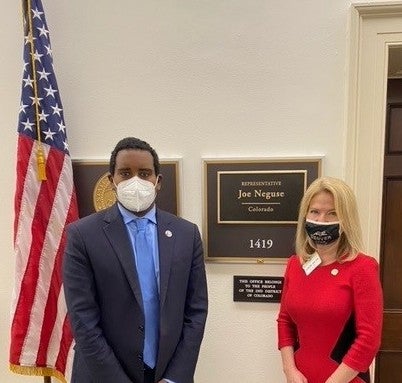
330,320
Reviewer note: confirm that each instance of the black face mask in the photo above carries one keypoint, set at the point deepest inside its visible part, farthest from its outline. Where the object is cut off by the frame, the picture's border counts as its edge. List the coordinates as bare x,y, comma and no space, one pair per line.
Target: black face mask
322,233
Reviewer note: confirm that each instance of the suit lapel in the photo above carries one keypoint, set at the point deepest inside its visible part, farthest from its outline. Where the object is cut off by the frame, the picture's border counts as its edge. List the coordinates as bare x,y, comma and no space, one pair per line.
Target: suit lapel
166,239
116,232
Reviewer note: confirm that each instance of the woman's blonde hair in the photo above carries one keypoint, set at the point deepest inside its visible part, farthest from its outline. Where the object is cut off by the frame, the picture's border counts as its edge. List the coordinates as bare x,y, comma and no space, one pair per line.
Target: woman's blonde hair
350,242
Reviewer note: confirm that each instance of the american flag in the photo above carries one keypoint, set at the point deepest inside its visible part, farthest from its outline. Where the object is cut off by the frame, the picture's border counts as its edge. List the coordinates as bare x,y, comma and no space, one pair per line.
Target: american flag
45,202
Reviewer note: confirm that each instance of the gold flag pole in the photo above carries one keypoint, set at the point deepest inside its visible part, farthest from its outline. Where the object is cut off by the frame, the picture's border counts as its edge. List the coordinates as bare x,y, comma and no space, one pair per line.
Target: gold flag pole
40,154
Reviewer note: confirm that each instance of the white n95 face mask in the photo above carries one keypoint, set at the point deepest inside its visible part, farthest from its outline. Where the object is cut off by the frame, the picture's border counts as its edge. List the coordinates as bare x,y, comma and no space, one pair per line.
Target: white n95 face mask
136,194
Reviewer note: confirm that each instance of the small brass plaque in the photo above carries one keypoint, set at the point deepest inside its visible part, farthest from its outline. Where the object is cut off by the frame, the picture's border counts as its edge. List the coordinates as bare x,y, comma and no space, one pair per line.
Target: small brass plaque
257,288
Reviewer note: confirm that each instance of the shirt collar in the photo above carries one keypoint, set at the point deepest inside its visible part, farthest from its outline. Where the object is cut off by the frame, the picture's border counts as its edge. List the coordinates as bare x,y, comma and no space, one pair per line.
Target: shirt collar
129,216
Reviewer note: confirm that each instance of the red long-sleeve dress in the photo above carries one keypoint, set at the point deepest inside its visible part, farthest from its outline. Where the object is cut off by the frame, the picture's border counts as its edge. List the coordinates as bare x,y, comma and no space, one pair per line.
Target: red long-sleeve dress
332,315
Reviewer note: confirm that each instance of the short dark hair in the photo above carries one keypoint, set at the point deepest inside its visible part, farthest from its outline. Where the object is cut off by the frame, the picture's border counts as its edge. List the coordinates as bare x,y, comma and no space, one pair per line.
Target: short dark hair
136,144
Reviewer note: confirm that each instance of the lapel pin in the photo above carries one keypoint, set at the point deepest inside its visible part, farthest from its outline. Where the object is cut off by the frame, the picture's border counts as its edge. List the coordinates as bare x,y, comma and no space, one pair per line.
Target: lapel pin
334,272
168,233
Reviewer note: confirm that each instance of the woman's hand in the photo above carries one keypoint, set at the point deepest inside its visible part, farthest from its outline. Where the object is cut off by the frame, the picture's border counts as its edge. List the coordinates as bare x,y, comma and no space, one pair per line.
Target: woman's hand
343,374
295,376
292,373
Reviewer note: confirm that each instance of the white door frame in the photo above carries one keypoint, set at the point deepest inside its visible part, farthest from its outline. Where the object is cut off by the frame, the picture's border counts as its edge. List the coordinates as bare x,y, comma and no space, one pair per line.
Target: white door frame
373,28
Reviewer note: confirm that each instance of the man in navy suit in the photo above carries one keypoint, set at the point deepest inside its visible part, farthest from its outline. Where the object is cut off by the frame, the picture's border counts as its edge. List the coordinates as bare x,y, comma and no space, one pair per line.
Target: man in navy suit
135,322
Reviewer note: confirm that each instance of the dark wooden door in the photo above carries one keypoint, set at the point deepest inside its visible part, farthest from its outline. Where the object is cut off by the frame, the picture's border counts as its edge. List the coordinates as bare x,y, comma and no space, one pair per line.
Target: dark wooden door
389,359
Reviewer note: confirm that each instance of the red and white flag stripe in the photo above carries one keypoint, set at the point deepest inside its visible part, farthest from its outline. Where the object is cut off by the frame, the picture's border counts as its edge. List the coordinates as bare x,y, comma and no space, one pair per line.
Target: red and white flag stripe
41,337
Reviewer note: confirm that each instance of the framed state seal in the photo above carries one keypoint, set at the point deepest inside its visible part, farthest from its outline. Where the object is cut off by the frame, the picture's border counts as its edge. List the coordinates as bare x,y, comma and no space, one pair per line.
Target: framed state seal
95,193
103,194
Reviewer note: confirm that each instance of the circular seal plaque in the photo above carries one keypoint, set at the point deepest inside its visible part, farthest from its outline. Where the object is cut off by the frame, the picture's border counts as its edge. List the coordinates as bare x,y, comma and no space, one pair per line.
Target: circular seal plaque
103,195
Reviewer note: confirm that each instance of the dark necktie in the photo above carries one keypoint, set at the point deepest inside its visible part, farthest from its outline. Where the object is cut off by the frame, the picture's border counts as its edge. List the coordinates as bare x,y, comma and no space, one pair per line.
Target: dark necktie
149,291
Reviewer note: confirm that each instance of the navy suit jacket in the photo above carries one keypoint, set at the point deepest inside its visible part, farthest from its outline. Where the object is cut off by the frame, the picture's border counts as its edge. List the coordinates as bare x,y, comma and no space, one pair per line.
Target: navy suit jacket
105,306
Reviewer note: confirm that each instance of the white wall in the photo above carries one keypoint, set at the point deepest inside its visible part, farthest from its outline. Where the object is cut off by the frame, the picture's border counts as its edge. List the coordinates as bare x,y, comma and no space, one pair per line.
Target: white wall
196,79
